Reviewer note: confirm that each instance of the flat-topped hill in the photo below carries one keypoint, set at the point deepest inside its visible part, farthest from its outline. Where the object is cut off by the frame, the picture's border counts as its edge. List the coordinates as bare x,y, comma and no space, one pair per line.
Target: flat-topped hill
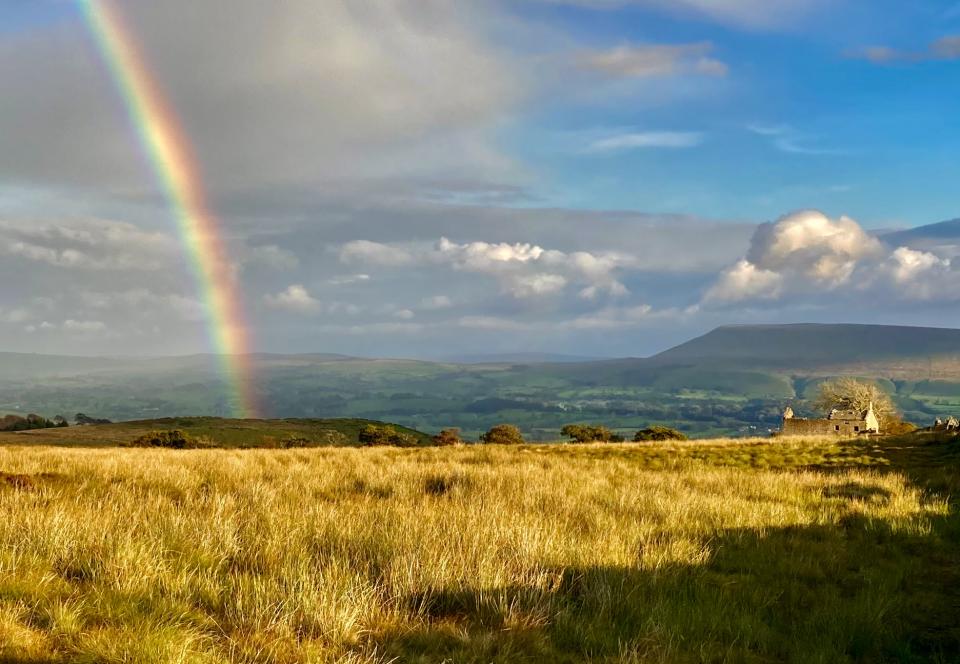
810,345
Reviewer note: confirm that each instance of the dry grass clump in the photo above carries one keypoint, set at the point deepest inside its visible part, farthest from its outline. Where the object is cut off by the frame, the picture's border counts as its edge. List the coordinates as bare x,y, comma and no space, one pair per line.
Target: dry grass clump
462,554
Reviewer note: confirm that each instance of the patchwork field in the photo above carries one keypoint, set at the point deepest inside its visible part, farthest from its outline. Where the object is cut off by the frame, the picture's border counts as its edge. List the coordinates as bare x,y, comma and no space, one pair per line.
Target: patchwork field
756,551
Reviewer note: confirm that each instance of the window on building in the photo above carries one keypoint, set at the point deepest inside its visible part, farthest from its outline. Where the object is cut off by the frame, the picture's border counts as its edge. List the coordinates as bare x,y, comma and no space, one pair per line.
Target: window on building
838,427
856,428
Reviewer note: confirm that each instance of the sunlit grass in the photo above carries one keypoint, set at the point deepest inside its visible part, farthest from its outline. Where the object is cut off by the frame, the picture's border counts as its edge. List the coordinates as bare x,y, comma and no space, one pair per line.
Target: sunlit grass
655,552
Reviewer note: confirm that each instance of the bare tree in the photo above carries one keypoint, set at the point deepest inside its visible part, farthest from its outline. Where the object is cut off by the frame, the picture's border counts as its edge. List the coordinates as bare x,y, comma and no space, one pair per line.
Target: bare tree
851,394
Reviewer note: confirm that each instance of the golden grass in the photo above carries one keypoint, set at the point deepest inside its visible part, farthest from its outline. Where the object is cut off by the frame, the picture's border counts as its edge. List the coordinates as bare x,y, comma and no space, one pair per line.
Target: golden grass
606,553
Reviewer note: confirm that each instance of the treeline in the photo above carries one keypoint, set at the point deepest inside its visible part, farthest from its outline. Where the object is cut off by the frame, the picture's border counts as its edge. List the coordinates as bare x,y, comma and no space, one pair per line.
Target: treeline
31,421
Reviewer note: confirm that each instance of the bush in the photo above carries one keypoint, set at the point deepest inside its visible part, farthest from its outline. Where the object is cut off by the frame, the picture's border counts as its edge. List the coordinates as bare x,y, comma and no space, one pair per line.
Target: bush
658,433
174,439
898,427
448,437
80,418
586,433
371,434
503,434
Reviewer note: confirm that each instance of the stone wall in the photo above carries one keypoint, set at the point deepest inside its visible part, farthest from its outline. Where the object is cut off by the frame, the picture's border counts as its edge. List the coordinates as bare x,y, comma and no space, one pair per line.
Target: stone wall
795,426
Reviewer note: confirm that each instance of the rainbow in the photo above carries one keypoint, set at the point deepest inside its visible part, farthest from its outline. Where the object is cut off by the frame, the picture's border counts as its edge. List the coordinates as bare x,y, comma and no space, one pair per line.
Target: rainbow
172,161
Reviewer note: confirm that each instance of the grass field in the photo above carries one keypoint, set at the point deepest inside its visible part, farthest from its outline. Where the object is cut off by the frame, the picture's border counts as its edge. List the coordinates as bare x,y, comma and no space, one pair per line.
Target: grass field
740,551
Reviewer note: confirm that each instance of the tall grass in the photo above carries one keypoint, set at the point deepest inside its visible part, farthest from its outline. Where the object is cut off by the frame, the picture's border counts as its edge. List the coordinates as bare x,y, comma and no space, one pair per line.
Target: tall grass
460,554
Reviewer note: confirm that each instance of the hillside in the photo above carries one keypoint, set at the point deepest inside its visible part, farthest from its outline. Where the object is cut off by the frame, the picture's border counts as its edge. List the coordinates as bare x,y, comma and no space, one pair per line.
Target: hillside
807,346
731,381
219,432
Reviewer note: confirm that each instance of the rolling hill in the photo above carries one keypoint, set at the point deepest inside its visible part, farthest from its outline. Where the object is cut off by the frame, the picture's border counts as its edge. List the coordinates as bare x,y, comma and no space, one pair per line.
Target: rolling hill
732,380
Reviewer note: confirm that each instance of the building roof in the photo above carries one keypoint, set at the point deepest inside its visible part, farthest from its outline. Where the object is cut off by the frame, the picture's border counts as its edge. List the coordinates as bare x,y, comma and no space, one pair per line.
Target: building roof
837,414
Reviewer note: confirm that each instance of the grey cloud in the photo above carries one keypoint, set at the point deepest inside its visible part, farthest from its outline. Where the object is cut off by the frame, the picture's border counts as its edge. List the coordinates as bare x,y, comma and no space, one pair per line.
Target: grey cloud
87,244
646,60
265,92
944,48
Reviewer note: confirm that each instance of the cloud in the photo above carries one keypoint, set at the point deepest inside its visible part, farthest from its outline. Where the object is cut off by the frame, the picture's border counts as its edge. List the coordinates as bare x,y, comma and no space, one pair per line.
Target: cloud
374,253
271,256
524,270
750,14
808,257
296,298
145,303
809,243
436,302
372,88
84,326
787,139
745,281
944,48
88,245
347,279
647,139
649,60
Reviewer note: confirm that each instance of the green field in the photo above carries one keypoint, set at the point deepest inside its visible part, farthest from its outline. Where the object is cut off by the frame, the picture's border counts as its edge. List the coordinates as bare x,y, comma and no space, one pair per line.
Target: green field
213,431
707,551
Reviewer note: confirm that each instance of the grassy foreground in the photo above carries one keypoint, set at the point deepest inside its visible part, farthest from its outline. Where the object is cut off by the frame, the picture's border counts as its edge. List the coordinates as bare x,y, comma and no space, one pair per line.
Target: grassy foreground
709,551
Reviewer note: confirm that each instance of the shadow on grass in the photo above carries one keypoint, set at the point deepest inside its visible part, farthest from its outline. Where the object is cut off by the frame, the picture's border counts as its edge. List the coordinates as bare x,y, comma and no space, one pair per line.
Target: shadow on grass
861,590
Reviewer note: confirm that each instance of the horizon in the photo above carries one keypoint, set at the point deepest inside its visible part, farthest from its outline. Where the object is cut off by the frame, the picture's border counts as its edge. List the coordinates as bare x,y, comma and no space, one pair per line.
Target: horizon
442,179
478,357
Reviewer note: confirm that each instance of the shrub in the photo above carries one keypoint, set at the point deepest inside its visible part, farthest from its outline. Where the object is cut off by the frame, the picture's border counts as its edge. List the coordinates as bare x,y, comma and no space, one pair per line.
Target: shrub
448,437
898,427
503,434
80,418
586,433
658,433
175,439
372,434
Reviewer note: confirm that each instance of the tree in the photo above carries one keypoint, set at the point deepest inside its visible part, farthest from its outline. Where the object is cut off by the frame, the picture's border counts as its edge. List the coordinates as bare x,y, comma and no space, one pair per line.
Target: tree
586,433
503,434
848,393
658,433
448,437
371,434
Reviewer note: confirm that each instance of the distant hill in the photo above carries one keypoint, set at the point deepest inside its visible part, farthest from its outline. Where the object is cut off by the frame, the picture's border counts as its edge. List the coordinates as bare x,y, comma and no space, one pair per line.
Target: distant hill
813,345
732,380
517,358
931,233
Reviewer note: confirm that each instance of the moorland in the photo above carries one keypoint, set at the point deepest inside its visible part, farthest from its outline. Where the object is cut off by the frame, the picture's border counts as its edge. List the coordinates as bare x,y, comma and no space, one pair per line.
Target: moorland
750,550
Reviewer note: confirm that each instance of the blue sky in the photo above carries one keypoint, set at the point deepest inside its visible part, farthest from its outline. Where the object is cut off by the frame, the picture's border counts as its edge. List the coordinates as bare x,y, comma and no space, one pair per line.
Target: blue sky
880,141
428,177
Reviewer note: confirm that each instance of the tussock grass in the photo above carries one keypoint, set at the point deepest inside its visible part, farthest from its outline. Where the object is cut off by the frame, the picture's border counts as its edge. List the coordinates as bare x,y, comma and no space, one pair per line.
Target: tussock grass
715,551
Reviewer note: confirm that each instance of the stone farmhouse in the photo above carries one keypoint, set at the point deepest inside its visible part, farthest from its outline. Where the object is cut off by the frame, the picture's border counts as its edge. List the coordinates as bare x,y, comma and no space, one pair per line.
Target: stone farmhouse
838,423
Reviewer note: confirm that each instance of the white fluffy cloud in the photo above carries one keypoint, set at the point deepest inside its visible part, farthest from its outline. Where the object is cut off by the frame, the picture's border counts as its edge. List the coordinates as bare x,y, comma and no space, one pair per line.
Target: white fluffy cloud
805,255
523,270
745,281
810,244
295,298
